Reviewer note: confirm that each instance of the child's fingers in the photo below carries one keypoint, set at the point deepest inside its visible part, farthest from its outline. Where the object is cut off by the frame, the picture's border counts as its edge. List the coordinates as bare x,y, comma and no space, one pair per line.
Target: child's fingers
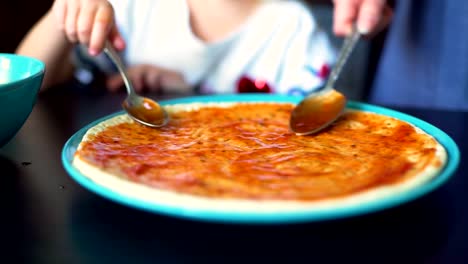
116,38
172,80
345,14
85,23
71,16
370,15
114,82
59,9
136,74
103,22
138,81
152,79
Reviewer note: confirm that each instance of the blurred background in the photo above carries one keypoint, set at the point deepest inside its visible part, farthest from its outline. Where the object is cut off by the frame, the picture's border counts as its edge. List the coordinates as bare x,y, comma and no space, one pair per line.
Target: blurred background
16,18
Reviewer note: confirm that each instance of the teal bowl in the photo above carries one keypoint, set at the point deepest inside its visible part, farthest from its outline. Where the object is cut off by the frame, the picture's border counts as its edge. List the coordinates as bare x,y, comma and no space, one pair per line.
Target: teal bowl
20,80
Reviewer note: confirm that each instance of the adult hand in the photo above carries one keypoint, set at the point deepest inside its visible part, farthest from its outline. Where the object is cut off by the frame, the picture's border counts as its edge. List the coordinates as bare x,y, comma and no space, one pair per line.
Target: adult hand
88,22
151,78
370,16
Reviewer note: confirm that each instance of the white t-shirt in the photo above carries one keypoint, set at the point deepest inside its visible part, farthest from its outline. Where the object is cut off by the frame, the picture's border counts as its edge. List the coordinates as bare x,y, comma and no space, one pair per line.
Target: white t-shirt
279,45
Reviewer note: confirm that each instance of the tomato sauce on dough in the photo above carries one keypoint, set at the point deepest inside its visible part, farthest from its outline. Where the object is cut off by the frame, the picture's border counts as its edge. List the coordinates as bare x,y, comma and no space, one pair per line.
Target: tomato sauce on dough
247,151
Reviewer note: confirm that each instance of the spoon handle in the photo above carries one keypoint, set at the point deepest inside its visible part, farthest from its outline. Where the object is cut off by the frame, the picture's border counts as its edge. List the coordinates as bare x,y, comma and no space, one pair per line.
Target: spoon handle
346,49
115,57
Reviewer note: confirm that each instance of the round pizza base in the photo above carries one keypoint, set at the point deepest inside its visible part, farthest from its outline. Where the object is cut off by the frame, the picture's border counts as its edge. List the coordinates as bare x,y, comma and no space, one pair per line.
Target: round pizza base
189,202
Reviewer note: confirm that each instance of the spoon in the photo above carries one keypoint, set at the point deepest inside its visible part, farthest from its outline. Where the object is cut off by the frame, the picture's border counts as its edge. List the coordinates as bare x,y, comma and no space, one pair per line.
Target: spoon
321,108
139,108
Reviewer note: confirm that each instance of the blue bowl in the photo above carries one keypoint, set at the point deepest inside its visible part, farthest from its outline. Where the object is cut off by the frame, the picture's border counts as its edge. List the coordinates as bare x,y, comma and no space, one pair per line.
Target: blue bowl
20,81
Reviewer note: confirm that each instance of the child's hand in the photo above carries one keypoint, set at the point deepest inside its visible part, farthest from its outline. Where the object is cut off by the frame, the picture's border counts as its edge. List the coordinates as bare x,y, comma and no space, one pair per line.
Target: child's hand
88,22
370,16
152,78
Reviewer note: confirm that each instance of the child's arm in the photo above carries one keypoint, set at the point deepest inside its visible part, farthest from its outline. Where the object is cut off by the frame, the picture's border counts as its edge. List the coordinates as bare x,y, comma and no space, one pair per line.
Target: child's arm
46,42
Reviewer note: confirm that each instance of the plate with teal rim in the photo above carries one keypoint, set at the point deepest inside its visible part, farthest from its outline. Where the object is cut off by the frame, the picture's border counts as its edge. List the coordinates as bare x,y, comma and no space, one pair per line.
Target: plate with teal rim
269,217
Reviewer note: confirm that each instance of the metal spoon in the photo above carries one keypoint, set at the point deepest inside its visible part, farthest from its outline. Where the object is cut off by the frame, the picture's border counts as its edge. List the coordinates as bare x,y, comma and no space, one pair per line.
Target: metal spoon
320,109
141,109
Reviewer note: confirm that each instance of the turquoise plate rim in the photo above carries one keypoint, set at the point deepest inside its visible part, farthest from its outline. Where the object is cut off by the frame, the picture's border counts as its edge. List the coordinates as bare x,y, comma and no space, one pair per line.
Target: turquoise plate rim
275,217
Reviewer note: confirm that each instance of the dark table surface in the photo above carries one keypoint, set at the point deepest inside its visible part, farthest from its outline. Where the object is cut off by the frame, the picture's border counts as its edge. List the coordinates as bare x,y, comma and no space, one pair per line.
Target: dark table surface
48,218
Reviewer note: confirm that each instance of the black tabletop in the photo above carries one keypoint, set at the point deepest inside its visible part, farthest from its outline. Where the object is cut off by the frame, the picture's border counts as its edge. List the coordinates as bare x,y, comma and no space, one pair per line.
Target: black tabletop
49,218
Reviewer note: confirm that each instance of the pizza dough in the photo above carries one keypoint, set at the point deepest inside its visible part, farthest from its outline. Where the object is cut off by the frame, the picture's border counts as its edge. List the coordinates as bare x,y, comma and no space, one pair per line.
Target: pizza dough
243,157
